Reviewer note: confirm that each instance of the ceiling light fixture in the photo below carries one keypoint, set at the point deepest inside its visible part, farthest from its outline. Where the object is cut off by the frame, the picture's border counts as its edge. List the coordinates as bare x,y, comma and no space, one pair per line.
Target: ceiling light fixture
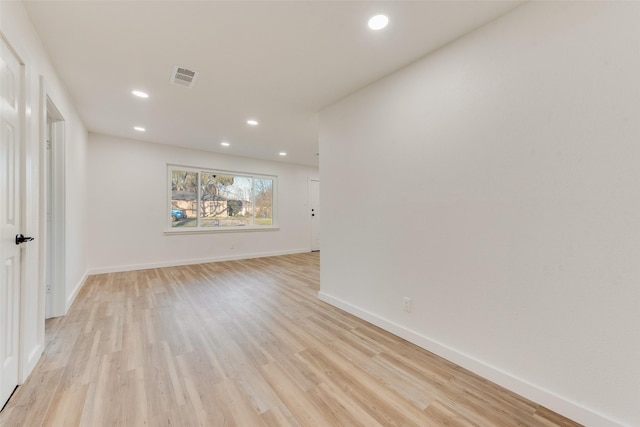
140,94
225,144
282,153
378,22
252,122
139,128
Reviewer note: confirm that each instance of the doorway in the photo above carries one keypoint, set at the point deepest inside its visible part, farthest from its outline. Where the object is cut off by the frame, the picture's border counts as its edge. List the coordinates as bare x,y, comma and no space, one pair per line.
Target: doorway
314,202
53,203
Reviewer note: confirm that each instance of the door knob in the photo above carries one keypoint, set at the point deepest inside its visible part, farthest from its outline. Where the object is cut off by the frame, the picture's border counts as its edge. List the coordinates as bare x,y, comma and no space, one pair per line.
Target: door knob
21,239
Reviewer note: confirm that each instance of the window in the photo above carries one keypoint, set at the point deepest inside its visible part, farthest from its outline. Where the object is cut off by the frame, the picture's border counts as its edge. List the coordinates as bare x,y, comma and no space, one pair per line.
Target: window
201,199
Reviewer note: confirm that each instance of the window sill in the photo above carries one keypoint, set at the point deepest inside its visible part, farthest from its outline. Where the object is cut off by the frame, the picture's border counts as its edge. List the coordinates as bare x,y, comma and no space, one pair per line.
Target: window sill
209,230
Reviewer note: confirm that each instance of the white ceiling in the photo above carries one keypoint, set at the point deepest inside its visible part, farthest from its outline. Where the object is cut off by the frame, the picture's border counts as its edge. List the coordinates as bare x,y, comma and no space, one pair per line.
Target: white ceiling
279,62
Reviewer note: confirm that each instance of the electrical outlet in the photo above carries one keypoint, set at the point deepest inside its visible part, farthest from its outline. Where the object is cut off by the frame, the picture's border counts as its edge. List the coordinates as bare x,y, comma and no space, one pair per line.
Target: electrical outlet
407,304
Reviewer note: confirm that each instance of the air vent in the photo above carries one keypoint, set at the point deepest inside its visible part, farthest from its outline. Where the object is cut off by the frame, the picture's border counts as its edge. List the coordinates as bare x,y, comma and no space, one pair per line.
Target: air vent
183,77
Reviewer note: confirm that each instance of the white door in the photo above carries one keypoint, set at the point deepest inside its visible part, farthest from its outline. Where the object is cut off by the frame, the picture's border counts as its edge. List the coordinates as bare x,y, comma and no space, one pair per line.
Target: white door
314,196
10,201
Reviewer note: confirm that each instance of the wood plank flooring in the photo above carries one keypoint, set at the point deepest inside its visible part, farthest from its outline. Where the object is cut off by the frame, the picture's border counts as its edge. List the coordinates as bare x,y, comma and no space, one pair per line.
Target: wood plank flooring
243,343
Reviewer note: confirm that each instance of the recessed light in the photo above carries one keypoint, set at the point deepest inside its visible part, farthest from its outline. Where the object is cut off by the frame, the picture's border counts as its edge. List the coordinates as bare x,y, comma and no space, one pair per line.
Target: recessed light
378,22
225,144
252,122
282,153
140,94
139,128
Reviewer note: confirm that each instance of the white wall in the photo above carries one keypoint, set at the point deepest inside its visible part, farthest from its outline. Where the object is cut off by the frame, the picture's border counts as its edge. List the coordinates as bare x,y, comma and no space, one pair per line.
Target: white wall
20,34
496,183
128,208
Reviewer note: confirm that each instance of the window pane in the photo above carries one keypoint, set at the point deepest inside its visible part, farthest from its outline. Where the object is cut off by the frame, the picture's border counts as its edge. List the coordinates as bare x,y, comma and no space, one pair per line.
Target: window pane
263,190
225,200
184,187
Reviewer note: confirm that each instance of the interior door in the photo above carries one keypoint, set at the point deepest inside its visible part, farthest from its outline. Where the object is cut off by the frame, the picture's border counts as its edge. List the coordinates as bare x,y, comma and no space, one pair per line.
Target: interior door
10,198
314,196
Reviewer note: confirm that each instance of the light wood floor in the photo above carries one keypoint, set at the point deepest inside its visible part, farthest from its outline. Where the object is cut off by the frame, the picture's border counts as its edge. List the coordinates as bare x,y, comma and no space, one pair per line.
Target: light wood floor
243,343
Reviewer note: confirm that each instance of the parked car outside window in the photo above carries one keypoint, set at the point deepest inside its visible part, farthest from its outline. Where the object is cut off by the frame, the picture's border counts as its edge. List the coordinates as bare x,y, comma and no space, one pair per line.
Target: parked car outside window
177,214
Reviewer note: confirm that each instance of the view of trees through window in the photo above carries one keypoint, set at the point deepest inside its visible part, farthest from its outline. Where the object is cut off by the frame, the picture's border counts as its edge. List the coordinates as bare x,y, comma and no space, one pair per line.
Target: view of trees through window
210,199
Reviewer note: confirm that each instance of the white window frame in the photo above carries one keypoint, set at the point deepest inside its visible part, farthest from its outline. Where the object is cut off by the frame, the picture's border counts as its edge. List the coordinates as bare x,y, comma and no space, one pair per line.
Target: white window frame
225,229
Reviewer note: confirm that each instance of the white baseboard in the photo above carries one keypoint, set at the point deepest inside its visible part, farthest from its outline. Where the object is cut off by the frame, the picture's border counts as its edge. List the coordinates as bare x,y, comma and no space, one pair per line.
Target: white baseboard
74,294
176,263
30,363
517,385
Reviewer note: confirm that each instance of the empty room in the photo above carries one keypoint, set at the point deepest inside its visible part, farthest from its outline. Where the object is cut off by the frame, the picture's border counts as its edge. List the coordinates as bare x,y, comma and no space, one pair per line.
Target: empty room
319,213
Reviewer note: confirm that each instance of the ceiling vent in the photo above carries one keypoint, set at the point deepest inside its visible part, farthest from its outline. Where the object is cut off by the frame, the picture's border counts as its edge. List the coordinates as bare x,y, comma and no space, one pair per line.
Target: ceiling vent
183,77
